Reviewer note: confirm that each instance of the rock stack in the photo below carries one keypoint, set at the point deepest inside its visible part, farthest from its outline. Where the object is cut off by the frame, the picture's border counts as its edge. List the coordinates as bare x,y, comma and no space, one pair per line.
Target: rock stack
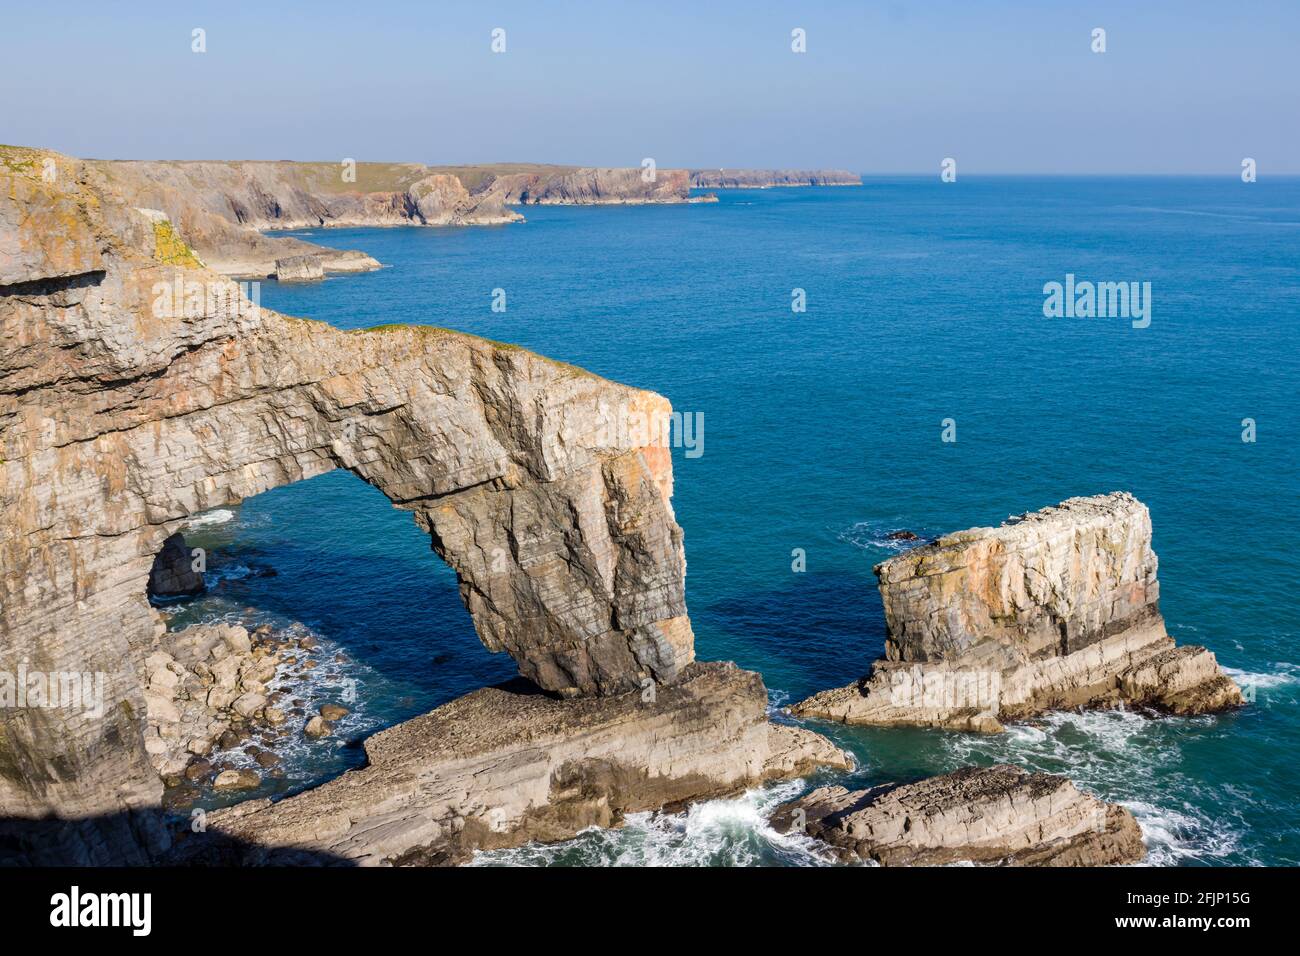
299,269
1054,609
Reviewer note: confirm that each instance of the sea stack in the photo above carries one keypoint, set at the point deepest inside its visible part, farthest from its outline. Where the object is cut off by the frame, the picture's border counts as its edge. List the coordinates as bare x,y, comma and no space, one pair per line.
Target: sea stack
1054,609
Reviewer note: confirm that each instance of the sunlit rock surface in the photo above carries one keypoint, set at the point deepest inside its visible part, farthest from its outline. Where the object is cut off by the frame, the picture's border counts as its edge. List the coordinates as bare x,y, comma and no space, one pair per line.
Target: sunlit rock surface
998,815
138,387
1054,609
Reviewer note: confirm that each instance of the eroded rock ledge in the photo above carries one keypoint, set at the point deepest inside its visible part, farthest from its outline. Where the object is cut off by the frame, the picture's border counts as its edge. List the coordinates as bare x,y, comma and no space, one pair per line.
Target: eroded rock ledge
999,816
1054,609
503,766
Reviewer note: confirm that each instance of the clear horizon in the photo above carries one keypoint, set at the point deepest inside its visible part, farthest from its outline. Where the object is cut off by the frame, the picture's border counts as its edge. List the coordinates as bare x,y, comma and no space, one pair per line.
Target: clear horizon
1008,88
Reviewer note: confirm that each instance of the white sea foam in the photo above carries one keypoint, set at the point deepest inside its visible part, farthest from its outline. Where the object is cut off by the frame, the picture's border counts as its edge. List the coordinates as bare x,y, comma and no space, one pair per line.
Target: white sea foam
732,832
1175,836
874,534
1284,675
227,572
1124,757
210,518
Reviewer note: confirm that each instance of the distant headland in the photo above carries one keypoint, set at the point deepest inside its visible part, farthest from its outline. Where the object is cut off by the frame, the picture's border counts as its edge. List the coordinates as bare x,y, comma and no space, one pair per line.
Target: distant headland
223,207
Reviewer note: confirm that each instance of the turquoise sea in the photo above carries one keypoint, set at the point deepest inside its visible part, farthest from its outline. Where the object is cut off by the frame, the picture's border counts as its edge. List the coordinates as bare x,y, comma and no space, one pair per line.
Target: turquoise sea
822,432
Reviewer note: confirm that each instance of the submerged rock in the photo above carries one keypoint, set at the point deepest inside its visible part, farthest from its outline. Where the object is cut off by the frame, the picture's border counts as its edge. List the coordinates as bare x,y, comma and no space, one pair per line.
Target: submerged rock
999,815
1055,609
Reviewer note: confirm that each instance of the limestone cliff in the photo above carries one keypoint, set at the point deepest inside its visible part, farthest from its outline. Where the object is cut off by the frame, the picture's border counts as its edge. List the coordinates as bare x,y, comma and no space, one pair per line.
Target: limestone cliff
138,387
589,186
222,208
1055,609
767,178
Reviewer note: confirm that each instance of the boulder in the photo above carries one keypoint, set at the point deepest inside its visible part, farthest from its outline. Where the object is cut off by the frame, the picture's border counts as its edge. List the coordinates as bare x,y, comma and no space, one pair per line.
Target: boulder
246,705
318,727
243,779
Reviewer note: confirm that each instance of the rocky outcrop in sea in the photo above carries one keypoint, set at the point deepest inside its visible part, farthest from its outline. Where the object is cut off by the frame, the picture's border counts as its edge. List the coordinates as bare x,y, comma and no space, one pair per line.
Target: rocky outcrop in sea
1053,610
998,816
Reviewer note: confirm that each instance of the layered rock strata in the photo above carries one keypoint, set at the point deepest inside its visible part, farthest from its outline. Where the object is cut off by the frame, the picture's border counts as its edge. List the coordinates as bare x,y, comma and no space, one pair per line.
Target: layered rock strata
501,766
138,388
1054,609
590,186
767,178
1000,816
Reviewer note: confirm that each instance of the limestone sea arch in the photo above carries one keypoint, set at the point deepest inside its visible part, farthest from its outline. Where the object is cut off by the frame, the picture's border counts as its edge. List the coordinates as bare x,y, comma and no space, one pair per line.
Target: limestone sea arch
120,418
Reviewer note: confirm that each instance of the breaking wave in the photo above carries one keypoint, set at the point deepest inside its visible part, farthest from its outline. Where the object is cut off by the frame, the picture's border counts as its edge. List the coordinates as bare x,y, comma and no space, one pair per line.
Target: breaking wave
210,519
730,832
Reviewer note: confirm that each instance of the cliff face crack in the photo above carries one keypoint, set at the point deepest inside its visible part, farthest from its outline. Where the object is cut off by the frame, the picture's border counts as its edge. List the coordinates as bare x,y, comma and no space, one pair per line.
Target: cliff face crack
52,285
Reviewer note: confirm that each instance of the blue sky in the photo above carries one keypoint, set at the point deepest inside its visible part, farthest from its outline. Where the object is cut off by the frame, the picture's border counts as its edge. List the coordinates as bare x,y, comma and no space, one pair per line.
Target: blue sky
1184,87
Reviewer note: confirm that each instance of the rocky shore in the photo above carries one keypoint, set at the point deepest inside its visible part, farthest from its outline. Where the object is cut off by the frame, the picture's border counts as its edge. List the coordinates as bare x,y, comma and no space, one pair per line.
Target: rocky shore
1053,610
214,692
120,420
502,766
999,816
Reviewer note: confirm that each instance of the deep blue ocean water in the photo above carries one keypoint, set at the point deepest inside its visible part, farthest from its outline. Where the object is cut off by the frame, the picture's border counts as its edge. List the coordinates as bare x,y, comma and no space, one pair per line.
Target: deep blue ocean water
822,431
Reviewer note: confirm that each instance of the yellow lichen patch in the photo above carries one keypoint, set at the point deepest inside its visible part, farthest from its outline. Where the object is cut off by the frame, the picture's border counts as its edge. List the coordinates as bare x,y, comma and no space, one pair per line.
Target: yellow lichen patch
171,249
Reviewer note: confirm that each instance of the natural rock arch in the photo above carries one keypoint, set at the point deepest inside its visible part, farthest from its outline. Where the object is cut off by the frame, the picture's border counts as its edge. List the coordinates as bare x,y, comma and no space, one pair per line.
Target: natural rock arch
136,393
